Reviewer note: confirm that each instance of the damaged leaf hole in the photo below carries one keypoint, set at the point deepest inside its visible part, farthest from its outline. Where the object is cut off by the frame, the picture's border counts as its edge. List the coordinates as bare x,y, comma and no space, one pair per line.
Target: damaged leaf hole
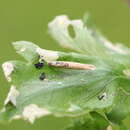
71,31
10,105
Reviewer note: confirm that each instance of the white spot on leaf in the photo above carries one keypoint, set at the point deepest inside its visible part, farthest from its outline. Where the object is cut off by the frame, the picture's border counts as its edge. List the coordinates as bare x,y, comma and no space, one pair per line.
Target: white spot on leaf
47,55
12,95
73,108
109,127
16,117
126,72
59,83
117,48
32,112
8,69
22,49
62,20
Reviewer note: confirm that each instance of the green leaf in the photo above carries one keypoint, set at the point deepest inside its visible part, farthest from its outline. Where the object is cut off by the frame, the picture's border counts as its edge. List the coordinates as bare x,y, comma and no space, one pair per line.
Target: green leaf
26,49
60,96
94,121
56,94
83,41
86,41
121,107
68,90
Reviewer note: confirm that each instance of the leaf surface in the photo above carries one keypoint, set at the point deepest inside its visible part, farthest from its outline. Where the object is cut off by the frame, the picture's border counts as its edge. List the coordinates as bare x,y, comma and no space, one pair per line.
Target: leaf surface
68,92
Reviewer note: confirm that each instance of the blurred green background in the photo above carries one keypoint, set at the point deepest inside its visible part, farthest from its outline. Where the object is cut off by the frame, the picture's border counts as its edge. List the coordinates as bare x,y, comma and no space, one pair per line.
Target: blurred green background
28,19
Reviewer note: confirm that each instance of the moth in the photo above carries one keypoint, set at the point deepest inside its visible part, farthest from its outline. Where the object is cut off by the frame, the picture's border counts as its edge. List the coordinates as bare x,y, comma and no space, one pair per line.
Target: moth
71,65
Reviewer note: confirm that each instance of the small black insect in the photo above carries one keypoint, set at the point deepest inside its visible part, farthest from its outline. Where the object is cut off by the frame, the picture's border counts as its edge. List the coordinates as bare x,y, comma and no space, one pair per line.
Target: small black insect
42,76
103,96
39,65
